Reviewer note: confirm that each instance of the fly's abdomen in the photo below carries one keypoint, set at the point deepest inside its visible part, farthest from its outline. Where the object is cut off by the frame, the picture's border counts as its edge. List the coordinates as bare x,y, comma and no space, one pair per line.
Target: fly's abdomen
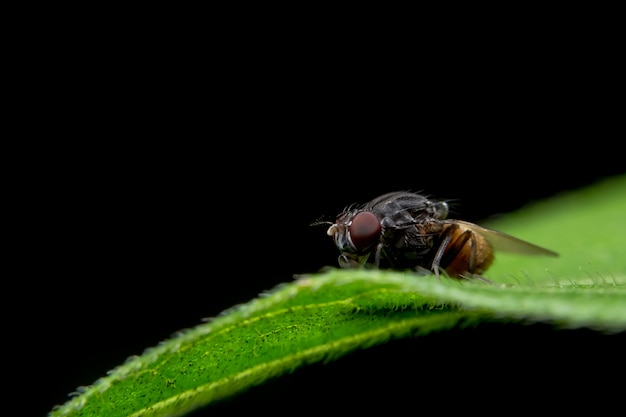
466,253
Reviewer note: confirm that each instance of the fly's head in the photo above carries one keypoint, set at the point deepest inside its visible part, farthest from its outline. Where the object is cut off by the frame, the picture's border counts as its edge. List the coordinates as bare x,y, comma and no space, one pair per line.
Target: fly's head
356,234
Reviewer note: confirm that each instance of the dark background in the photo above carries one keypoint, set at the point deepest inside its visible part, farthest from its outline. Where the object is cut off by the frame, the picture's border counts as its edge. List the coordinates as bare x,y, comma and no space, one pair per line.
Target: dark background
169,196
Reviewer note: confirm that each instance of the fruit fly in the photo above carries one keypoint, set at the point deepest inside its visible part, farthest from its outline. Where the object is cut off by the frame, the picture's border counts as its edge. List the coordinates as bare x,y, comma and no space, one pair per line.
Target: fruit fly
404,230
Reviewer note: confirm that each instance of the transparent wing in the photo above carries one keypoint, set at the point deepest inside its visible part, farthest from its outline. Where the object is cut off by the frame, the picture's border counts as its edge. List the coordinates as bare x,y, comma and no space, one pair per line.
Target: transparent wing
503,242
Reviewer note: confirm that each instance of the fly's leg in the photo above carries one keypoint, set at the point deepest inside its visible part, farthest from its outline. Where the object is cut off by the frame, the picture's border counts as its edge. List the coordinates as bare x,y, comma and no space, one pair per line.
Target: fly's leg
442,249
347,262
379,249
420,270
472,259
352,261
449,249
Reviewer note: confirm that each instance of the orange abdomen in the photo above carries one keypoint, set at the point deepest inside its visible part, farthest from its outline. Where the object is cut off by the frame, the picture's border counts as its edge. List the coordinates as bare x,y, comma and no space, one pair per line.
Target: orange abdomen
466,254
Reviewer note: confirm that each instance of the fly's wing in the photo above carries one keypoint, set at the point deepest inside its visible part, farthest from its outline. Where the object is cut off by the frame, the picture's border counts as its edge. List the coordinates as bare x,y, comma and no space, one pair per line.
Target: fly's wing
503,242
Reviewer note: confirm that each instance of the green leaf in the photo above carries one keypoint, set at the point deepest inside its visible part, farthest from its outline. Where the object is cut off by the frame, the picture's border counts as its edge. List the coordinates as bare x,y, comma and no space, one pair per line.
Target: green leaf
324,316
585,227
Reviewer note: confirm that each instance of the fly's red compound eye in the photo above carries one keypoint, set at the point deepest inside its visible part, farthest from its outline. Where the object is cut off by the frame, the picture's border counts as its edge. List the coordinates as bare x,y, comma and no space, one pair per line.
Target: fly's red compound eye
364,230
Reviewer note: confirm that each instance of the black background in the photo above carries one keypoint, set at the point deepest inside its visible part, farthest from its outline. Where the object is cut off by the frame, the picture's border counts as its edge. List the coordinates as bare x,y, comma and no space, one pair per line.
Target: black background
183,194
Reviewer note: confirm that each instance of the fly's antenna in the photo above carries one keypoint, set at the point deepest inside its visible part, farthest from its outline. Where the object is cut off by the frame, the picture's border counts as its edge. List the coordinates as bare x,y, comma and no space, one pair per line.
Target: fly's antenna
320,221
